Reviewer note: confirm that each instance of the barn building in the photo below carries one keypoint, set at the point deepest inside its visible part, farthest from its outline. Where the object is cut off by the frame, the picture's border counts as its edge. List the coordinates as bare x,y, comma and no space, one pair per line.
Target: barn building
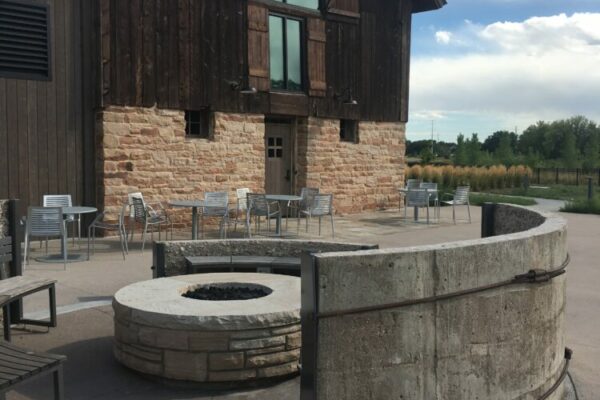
99,98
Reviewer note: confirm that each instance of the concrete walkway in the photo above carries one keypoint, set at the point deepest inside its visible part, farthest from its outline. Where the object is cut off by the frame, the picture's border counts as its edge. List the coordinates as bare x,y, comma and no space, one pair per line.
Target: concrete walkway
85,327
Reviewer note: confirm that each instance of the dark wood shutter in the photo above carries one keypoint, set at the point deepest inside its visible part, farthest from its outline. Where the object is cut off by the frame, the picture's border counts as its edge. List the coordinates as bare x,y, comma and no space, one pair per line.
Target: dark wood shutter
258,47
24,40
316,57
349,8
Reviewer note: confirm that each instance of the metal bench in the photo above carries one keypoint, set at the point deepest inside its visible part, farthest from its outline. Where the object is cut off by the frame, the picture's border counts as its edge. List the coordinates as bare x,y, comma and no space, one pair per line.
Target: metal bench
205,264
18,365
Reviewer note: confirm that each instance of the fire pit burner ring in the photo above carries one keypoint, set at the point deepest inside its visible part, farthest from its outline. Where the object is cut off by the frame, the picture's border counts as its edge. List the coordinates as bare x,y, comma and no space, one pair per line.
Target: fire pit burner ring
228,291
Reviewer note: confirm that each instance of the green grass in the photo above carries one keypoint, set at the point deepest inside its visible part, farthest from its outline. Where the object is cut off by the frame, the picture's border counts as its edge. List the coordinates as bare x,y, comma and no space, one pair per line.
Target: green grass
583,206
478,199
555,192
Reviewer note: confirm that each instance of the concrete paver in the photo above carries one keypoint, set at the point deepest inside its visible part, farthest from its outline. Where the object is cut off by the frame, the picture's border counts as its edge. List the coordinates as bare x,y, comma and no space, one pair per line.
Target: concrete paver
85,336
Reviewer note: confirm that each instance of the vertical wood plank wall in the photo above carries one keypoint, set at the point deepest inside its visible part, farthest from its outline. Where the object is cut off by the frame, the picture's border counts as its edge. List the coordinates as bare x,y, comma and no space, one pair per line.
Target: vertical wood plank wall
46,127
198,49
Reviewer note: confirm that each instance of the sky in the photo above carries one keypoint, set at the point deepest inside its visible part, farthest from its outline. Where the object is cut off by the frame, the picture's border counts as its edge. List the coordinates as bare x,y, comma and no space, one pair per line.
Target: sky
479,66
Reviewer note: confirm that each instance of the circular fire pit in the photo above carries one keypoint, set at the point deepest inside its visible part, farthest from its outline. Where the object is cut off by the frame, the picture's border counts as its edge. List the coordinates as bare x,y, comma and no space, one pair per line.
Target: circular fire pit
161,331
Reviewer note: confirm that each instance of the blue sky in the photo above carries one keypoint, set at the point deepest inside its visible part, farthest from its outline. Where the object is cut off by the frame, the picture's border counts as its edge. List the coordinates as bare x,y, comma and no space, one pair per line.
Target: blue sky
486,65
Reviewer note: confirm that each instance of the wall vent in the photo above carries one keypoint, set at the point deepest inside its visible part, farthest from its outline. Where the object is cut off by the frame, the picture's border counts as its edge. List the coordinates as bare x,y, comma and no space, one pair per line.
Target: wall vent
24,40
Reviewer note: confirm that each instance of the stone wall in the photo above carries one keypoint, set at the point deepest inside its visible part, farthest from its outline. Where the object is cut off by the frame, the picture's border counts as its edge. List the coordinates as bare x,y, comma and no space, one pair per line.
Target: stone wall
361,176
146,149
502,344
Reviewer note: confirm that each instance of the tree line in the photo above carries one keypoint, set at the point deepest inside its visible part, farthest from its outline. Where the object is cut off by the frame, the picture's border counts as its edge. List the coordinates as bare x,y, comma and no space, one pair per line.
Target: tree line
566,143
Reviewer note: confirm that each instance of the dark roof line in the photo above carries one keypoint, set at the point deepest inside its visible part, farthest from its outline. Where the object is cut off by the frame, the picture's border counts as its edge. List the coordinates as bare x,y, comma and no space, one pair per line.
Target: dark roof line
427,5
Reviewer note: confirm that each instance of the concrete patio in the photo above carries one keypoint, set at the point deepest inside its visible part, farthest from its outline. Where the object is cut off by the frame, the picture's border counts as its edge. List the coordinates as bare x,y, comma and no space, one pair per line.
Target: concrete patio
85,325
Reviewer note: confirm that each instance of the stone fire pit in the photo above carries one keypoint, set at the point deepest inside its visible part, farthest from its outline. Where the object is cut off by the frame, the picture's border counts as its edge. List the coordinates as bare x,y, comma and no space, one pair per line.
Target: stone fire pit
160,332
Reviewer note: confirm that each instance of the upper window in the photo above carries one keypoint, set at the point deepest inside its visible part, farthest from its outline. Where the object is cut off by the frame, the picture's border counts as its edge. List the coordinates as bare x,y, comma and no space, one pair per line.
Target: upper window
314,4
285,45
24,40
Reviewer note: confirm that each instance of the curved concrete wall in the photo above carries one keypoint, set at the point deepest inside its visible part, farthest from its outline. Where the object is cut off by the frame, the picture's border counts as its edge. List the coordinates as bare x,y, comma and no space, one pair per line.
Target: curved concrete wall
506,343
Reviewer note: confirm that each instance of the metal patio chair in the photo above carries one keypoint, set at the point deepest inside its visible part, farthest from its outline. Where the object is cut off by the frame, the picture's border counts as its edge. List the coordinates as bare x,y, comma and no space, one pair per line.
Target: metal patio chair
119,226
417,198
45,222
216,204
433,195
459,198
259,206
64,200
241,205
322,205
307,194
410,184
155,210
145,215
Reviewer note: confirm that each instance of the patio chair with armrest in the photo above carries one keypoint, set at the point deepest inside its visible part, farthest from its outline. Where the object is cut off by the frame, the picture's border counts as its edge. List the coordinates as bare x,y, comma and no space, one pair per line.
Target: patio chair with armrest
119,226
259,206
156,210
241,205
417,198
432,188
216,204
45,222
307,194
145,215
64,200
322,205
459,198
410,184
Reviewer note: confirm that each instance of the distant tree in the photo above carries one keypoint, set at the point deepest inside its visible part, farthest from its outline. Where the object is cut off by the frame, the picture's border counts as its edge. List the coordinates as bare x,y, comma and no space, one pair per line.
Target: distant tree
426,155
492,142
460,154
569,153
591,154
473,150
504,153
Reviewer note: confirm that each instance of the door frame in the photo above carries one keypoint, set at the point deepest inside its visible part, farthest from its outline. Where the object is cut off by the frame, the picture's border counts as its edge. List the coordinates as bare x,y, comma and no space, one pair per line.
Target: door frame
293,144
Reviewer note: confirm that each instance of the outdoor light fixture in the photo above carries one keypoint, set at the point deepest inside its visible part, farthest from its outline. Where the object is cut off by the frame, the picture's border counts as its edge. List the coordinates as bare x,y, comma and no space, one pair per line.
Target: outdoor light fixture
346,96
245,89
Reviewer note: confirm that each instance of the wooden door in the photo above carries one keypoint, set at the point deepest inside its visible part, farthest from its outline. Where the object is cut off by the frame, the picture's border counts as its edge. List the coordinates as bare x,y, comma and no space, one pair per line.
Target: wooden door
278,158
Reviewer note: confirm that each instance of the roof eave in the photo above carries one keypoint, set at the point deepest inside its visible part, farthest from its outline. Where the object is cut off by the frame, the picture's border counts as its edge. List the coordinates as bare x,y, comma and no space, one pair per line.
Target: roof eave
427,5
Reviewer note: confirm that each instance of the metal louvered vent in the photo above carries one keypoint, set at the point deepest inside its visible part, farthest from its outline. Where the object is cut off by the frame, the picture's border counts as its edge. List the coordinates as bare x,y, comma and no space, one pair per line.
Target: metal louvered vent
24,40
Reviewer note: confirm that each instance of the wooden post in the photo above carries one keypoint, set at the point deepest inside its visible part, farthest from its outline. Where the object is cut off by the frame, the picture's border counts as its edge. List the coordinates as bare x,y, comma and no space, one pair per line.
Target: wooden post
16,265
556,180
158,260
577,177
539,171
590,189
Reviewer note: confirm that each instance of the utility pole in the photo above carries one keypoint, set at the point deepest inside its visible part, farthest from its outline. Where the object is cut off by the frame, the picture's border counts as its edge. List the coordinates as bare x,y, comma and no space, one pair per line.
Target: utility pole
432,153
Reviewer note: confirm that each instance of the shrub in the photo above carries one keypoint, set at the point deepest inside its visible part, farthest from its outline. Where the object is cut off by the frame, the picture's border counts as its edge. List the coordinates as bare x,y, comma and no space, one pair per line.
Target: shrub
479,178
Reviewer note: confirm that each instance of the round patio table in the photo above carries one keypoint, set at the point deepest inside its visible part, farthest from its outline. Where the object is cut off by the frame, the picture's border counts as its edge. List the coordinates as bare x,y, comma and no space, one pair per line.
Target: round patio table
281,198
194,204
59,258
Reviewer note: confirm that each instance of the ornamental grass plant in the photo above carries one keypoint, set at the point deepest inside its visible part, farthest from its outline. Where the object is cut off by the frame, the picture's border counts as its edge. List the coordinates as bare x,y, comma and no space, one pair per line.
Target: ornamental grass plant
479,178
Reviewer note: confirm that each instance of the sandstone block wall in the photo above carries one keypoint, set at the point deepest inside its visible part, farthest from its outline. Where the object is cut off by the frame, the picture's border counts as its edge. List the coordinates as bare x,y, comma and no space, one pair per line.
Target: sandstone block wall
501,344
361,176
207,356
146,149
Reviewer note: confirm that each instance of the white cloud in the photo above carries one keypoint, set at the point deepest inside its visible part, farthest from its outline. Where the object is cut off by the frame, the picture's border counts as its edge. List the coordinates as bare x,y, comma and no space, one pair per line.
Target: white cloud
541,68
443,37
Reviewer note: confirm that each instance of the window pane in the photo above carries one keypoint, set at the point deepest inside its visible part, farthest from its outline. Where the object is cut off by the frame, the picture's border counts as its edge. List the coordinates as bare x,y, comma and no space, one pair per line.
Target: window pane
294,55
305,3
276,52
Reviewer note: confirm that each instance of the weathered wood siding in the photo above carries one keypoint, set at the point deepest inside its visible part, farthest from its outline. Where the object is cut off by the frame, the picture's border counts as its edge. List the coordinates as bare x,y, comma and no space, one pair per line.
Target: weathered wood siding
186,54
47,127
